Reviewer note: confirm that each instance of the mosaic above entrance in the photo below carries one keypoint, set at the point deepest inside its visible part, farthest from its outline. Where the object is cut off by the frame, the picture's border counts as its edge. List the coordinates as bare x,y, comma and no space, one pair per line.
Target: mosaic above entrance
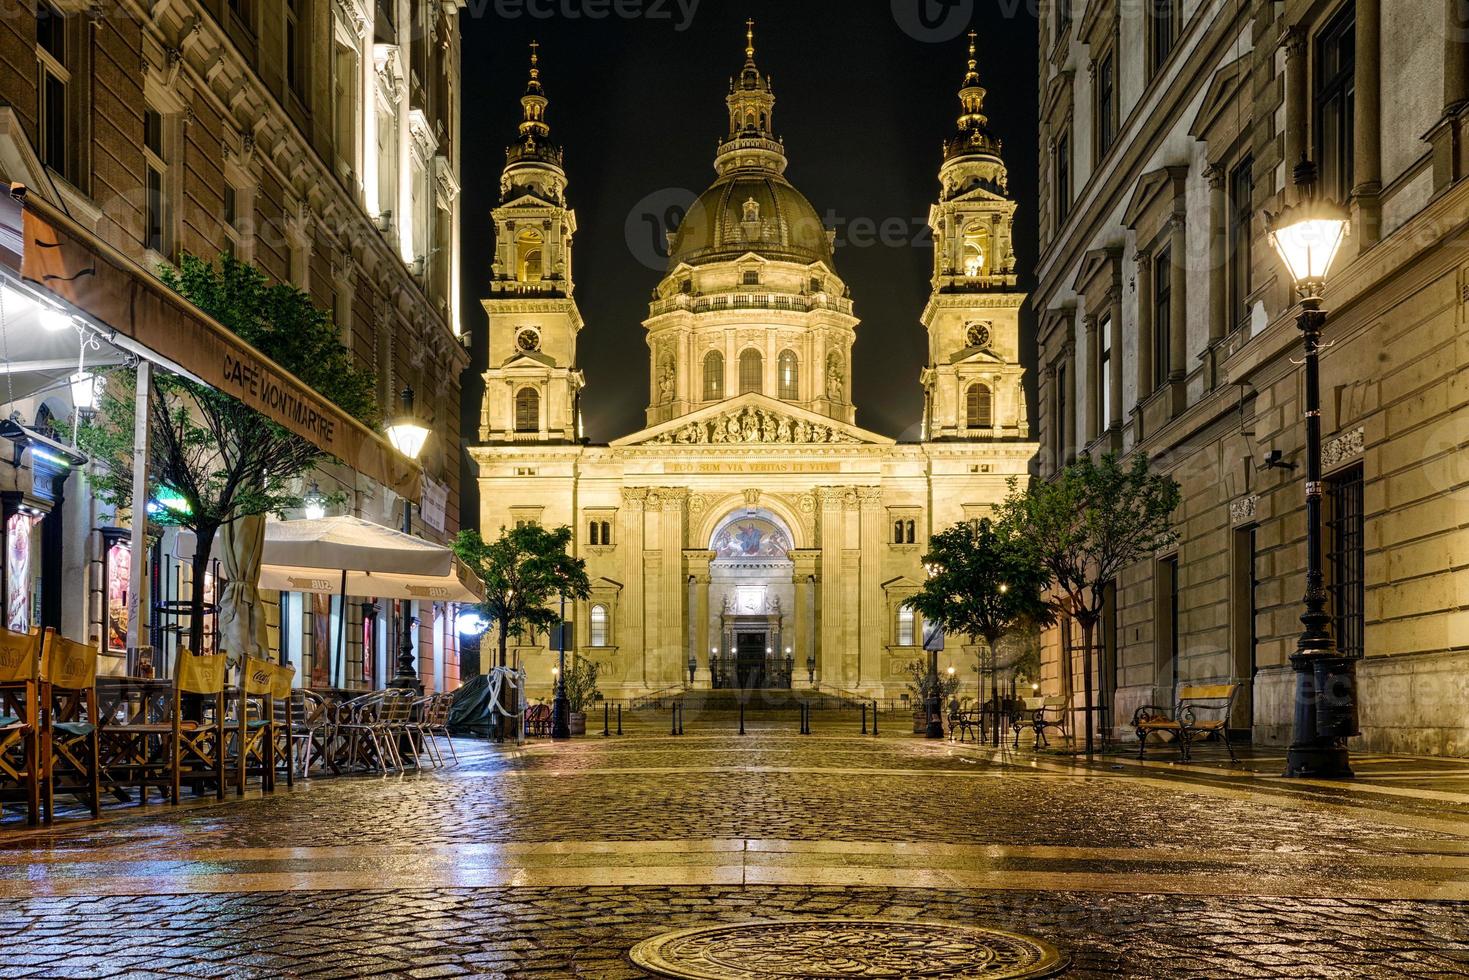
749,538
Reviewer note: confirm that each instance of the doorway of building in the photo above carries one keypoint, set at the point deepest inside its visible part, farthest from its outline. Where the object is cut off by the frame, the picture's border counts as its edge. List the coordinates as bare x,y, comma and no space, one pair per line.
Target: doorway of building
750,660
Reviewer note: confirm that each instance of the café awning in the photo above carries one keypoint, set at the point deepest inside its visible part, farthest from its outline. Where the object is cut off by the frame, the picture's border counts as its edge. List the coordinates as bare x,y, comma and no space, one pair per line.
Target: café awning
44,246
314,556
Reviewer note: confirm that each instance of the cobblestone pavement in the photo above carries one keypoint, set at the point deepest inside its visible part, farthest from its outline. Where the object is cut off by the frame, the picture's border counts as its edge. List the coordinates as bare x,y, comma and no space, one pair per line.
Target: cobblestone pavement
554,861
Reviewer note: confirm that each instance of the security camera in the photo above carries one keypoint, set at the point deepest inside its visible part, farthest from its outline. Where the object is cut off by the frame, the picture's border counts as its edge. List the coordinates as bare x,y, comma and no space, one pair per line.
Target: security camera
1275,460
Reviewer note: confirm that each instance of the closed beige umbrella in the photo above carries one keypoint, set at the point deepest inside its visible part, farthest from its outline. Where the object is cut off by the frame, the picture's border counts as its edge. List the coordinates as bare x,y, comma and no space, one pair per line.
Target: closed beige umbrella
241,620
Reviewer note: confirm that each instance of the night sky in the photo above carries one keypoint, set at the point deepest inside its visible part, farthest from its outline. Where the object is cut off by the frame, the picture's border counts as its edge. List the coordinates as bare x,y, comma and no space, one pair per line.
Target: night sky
866,92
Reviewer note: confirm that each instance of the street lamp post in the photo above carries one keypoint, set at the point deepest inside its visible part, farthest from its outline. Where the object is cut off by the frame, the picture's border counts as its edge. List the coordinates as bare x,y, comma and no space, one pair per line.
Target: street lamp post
408,435
1307,238
560,704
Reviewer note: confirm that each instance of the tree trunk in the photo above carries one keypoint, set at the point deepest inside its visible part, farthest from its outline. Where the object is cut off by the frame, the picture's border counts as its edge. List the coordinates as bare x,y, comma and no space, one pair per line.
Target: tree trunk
1087,628
203,551
995,687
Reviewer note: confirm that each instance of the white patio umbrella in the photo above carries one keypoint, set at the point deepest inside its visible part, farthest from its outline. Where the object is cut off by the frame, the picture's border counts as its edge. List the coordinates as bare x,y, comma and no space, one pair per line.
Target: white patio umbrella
345,556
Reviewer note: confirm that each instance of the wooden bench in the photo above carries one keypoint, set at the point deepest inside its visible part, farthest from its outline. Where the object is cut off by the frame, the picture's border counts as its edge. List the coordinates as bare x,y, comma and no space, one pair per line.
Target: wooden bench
1202,712
1040,714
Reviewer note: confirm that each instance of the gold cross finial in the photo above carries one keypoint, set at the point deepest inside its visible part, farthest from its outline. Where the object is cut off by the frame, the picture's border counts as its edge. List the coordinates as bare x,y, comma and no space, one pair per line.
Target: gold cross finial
750,38
973,42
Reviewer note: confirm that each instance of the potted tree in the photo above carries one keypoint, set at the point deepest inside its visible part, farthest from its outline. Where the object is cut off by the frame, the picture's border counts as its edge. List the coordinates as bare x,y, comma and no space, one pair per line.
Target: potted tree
581,691
921,686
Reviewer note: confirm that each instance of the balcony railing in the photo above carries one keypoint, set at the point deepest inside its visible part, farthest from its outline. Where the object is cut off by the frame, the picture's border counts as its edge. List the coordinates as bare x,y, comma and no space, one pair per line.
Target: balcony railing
751,301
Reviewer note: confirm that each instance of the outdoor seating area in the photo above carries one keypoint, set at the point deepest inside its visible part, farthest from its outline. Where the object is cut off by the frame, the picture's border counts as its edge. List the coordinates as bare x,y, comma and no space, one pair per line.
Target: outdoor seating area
211,728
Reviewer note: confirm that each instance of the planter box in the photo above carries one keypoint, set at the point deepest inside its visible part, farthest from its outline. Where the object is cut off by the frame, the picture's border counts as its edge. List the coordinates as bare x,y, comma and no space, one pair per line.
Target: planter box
577,723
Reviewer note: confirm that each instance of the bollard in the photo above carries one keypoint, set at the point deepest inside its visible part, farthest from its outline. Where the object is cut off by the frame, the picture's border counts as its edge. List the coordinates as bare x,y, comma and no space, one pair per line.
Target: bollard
874,719
742,719
673,723
680,717
619,719
606,719
864,718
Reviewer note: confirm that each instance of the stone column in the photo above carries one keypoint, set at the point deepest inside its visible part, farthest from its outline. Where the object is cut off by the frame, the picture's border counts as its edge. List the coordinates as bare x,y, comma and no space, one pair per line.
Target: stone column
833,534
873,602
672,593
1367,168
1219,260
803,617
1145,373
1092,390
634,558
1297,96
699,646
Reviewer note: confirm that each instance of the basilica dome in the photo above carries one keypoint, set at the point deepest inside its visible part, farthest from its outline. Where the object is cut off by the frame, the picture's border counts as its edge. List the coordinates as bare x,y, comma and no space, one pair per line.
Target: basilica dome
753,210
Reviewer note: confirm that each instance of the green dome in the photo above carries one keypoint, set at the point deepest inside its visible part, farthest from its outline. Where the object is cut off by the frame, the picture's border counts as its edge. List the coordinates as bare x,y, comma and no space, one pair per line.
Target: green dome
724,224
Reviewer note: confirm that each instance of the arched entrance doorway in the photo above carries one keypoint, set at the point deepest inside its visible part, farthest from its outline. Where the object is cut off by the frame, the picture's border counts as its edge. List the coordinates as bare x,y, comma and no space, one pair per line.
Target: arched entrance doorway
751,602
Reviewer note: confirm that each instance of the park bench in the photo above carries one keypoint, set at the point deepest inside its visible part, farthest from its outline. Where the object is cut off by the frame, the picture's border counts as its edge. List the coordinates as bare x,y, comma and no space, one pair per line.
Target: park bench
1201,712
1041,714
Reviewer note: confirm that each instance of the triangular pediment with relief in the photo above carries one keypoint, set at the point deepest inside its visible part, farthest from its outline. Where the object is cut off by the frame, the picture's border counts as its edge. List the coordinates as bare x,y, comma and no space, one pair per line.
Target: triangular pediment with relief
977,355
753,420
528,359
529,202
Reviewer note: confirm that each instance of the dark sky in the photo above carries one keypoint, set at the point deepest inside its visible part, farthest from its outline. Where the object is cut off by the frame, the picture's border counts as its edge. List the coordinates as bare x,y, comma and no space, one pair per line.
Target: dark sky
866,92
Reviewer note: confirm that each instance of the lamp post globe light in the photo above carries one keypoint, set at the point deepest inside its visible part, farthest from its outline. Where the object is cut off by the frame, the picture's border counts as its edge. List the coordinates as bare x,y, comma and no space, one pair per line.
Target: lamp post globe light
1307,236
408,435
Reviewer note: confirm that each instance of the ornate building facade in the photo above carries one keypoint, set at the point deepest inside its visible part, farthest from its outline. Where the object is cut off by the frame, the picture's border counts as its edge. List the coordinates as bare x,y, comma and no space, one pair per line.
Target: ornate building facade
752,534
1167,327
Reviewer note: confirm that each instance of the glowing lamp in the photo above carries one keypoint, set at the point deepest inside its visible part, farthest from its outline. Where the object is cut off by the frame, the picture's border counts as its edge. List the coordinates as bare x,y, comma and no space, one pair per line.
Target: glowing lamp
407,434
1308,236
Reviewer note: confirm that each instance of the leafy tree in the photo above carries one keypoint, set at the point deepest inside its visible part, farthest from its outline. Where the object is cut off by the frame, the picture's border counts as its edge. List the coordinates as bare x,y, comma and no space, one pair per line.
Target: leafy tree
212,459
1087,526
581,684
525,570
985,579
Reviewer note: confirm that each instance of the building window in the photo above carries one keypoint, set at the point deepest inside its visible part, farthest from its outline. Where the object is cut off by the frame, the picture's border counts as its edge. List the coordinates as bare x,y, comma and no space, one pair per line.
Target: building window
790,376
1104,373
346,85
1165,586
980,407
907,629
296,43
905,531
1063,420
599,534
528,256
1063,16
157,230
752,277
1346,570
1063,178
1162,316
1106,104
1240,245
1336,96
752,372
54,80
600,634
713,376
528,410
1162,33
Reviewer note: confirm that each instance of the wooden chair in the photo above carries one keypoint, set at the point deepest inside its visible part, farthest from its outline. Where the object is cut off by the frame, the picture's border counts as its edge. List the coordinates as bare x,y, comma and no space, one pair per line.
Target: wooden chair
202,745
1215,701
24,740
255,722
136,743
69,697
283,703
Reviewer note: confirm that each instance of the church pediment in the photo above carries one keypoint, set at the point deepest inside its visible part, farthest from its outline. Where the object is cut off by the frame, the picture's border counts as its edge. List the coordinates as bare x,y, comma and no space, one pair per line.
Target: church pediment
528,202
754,420
528,359
977,355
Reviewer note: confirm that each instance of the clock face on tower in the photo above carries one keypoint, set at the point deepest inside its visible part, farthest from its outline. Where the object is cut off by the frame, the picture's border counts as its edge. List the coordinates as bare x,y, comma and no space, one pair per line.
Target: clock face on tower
528,341
978,336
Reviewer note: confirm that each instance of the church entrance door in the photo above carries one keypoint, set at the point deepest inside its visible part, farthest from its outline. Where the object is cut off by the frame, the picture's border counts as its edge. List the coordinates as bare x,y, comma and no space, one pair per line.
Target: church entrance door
750,660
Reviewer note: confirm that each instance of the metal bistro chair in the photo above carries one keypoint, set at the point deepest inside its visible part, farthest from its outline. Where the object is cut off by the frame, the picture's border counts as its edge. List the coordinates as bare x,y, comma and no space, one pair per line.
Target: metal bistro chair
314,734
365,741
400,729
69,698
24,742
417,725
438,724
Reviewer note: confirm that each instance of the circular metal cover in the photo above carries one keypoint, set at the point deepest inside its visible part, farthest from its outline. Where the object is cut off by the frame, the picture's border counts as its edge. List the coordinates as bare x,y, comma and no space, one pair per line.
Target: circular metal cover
816,949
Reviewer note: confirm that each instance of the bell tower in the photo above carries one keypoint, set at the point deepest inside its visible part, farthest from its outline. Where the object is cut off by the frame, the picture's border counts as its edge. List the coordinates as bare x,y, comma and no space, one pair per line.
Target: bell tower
973,385
533,387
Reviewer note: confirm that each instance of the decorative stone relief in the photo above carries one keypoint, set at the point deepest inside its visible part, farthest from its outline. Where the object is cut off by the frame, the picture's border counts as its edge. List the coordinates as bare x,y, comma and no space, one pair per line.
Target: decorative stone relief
1243,511
1343,448
754,426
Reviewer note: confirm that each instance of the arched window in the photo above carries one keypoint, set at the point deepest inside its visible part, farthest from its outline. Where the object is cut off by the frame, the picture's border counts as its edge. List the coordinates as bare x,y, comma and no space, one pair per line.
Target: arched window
528,257
713,376
606,532
912,532
905,626
528,410
752,372
981,407
594,534
976,244
600,634
790,376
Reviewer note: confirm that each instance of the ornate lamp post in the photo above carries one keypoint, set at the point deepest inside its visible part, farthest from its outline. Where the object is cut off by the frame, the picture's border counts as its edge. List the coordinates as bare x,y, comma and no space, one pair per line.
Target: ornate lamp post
933,704
408,435
561,704
1307,237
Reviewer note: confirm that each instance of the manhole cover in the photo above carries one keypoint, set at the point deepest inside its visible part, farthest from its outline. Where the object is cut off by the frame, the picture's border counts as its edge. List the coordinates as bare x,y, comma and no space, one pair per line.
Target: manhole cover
811,949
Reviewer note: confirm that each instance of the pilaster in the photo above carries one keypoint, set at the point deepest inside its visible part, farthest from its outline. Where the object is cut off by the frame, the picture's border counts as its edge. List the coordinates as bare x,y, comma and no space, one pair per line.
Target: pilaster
833,534
631,517
868,670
